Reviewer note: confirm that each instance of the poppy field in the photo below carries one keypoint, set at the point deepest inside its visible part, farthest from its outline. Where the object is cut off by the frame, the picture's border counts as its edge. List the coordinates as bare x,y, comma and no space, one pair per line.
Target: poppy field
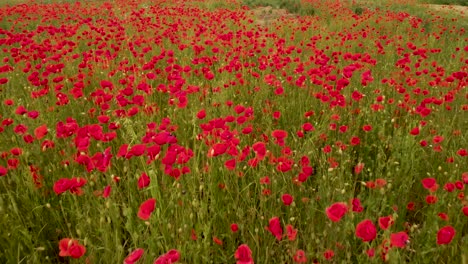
138,131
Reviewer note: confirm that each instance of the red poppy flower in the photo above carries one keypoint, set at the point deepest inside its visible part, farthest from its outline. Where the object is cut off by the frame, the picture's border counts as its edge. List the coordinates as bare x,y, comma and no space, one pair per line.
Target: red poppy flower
462,152
410,206
146,208
336,211
291,232
399,239
172,256
279,136
370,252
355,141
136,150
380,183
234,227
217,241
428,183
287,199
449,187
308,127
275,228
243,255
414,131
71,248
230,164
260,149
62,185
143,181
134,256
300,256
328,254
3,171
40,131
465,210
366,230
445,235
357,207
265,180
201,114
107,191
367,128
358,168
385,222
431,199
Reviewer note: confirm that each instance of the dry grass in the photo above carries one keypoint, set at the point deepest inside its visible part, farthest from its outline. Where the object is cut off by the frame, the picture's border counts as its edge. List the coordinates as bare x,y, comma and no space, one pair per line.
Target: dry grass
454,9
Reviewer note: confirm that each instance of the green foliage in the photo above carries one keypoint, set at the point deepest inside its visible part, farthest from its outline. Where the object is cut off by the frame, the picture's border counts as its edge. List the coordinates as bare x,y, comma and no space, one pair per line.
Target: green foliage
358,10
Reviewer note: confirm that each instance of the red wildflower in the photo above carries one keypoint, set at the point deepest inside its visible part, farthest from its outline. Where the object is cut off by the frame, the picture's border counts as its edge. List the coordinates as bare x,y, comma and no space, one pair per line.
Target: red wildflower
260,149
201,114
279,136
172,256
462,152
431,199
265,180
358,168
275,228
414,131
218,241
399,239
40,131
234,227
370,252
449,187
143,181
287,199
73,185
429,183
366,230
71,248
308,127
385,222
291,232
106,191
243,255
357,207
300,256
355,141
3,171
336,211
443,216
136,150
230,164
146,208
134,256
193,235
328,254
367,128
465,210
445,235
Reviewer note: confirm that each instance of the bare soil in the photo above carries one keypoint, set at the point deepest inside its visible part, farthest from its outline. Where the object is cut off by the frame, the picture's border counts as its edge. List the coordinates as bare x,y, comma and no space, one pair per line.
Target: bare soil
264,16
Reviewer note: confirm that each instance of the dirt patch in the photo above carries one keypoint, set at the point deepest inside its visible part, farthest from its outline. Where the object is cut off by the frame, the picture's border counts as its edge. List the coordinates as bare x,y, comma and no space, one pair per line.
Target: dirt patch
456,9
264,16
